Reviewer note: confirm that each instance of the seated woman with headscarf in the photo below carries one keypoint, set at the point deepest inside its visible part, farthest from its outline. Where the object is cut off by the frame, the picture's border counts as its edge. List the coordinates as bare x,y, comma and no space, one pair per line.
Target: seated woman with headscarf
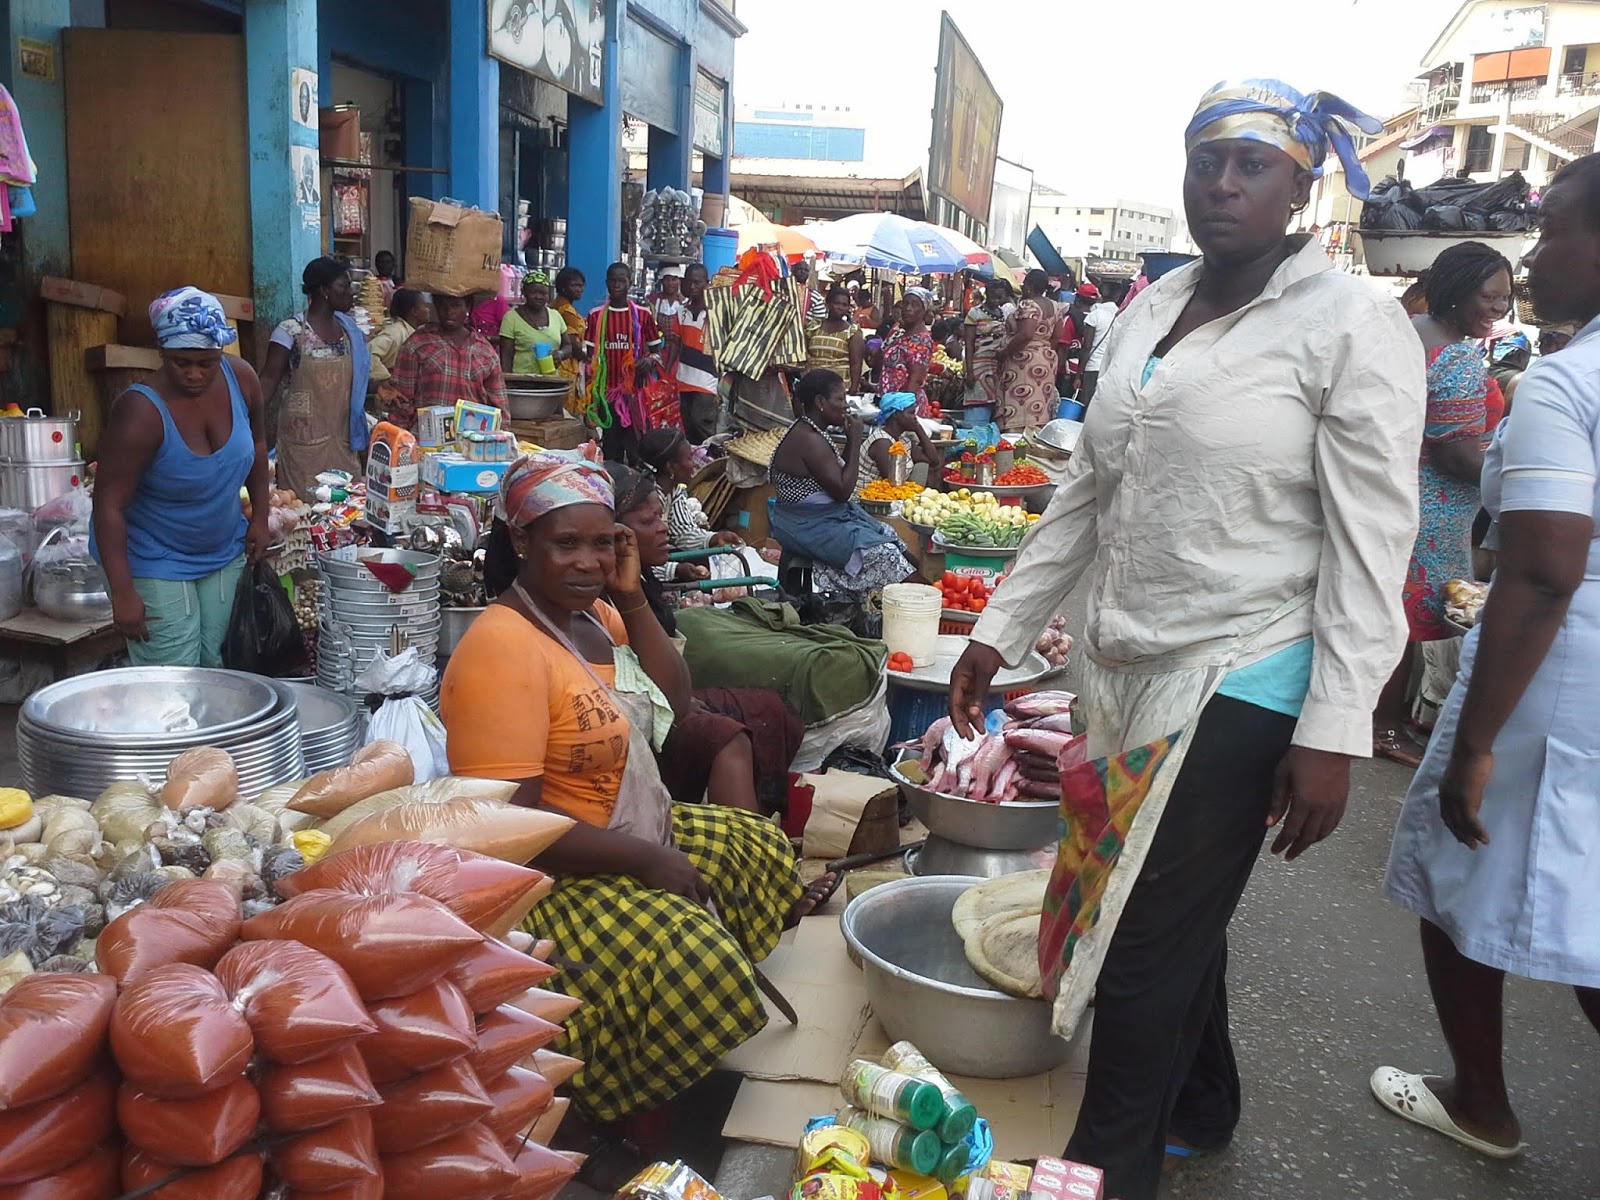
564,686
714,751
673,462
167,528
812,513
897,422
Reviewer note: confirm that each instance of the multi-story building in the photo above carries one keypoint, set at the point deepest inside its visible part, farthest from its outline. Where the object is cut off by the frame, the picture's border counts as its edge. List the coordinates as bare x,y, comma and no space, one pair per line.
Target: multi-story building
1111,228
1506,88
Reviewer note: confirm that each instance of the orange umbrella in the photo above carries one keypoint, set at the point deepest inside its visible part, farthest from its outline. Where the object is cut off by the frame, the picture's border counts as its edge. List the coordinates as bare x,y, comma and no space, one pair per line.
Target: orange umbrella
790,241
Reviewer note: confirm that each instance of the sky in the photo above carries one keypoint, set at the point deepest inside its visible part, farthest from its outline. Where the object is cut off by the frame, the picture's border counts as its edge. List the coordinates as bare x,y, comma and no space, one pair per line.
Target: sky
1096,95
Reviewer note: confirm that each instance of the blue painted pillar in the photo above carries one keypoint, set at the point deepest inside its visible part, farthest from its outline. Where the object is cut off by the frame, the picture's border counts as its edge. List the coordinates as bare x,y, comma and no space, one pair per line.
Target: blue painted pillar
45,235
474,108
672,154
594,150
285,225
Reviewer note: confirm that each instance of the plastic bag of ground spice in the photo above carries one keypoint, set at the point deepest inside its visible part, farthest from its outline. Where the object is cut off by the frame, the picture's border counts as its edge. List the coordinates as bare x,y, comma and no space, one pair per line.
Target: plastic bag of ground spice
334,1156
189,921
430,1026
507,1036
493,973
311,1095
51,1135
175,1034
377,767
237,1178
544,1129
504,831
389,944
362,1189
557,1068
478,889
300,1004
95,1176
541,1172
204,777
551,1006
468,1165
519,1096
190,1133
426,1107
52,1033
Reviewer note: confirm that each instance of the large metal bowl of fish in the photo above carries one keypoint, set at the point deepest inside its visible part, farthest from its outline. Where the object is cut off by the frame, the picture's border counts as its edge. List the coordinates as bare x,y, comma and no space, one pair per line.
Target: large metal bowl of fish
1007,825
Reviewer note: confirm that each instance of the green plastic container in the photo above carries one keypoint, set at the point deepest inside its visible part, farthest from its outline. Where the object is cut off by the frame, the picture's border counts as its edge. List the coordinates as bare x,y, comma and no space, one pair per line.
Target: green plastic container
895,1145
892,1094
960,1113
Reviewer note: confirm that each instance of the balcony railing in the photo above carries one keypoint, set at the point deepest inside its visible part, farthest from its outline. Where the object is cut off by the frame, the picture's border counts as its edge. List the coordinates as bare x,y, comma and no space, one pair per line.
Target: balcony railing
1582,83
1521,90
1441,102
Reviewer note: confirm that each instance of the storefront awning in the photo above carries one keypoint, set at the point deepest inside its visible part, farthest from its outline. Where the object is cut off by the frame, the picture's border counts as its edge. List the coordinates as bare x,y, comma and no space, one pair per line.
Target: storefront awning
1425,136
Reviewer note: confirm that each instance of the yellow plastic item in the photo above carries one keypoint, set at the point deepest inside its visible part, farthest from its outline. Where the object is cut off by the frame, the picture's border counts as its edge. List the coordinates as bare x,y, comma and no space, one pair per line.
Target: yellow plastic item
312,844
917,1187
16,806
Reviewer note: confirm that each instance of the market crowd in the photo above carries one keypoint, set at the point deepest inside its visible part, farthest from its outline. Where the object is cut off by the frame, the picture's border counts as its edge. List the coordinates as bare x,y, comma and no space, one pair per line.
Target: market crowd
1280,474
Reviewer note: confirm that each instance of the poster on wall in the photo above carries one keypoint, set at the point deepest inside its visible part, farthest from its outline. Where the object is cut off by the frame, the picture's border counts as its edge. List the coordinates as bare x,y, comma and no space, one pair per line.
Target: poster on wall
303,97
560,41
304,162
709,123
1516,28
966,126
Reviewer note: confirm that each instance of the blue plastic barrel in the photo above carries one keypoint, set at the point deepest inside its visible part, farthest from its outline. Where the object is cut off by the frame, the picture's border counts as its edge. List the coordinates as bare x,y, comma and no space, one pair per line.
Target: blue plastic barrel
719,248
1070,410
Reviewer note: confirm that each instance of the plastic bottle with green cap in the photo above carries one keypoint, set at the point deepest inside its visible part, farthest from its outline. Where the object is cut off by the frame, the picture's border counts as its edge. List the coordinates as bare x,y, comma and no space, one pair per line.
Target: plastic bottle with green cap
960,1113
894,1144
892,1094
952,1164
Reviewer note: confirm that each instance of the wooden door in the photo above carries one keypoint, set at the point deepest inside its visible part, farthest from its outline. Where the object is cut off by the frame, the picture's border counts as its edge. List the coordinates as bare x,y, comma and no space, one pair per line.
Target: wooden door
157,164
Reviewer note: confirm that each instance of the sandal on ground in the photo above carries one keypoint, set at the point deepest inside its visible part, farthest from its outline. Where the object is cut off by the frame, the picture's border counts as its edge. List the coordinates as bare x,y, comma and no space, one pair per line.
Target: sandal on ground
1396,747
817,893
1408,1096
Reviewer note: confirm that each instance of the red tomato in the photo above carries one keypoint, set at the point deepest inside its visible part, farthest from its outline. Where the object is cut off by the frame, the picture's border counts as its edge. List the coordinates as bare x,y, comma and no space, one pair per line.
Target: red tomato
949,578
979,604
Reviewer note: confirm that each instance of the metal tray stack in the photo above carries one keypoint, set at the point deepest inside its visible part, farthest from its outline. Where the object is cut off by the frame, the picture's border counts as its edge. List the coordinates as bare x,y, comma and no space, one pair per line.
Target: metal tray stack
81,735
331,726
358,616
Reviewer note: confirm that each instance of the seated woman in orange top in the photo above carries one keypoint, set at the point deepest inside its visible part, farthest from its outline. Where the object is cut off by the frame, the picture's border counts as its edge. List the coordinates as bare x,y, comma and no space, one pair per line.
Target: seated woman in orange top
563,686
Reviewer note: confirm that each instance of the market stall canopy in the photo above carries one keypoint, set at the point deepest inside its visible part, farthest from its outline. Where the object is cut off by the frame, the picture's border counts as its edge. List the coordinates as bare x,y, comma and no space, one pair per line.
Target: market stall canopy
792,242
894,243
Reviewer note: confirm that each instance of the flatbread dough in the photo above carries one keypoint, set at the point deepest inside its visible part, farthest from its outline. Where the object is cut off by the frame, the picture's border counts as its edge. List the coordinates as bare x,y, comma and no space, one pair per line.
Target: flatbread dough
1005,952
1022,892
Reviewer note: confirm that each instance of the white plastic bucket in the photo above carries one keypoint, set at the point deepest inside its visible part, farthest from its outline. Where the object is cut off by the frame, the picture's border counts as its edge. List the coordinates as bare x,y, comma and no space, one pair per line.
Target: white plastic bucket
911,621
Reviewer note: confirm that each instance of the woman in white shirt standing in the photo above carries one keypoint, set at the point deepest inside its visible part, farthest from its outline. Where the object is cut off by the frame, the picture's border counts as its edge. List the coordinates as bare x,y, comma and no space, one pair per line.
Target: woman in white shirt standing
1244,499
1100,318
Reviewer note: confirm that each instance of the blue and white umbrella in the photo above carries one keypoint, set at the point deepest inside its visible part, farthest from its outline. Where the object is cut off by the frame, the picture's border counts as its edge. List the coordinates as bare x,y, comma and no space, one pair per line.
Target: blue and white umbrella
895,243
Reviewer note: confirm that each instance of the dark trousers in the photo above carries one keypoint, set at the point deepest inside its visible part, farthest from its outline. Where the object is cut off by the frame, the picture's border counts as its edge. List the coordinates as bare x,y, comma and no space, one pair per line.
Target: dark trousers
699,411
1160,1060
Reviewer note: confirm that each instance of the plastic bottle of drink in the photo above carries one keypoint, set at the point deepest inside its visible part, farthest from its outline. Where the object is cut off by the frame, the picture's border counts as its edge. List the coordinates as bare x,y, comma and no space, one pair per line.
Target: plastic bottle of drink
894,1144
960,1113
893,1094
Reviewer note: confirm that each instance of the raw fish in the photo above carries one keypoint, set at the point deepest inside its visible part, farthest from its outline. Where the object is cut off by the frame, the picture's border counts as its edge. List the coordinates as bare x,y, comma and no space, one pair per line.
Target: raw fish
986,763
1040,704
1040,741
1055,723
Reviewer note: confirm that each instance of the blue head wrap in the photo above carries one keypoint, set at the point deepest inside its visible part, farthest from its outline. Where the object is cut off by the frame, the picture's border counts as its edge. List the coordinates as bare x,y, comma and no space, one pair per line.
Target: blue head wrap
1304,127
892,402
189,319
1507,346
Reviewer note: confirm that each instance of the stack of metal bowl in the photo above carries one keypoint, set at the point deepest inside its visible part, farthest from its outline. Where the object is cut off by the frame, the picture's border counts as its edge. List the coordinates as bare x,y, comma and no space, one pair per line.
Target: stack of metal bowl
331,726
358,616
79,736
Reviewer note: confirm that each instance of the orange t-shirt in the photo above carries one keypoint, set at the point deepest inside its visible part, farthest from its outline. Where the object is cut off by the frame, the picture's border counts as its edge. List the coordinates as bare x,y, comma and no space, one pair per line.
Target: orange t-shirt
516,705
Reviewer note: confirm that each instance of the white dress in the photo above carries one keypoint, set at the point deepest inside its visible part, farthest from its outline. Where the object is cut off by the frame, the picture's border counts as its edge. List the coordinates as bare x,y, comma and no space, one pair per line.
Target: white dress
1529,902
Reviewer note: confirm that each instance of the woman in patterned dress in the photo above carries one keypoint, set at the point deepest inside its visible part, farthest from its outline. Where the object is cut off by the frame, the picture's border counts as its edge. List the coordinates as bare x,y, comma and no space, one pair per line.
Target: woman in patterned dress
836,343
1027,358
909,351
1468,292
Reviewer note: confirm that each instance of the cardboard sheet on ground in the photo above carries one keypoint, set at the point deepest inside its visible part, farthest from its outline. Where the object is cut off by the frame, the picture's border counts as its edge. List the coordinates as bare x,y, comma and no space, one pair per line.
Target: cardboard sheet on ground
837,801
792,1074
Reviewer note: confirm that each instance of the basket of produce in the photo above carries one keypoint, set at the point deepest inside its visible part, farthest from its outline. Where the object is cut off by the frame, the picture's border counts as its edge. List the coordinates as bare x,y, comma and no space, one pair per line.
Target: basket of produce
1002,527
965,596
1024,483
879,496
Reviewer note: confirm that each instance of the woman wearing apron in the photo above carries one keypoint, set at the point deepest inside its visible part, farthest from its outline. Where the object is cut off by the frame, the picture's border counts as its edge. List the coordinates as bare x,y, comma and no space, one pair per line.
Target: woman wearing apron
1244,499
565,685
321,360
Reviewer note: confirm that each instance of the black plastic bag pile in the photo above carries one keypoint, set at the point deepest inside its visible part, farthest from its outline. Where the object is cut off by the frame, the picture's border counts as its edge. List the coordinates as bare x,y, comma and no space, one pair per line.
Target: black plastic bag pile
1451,205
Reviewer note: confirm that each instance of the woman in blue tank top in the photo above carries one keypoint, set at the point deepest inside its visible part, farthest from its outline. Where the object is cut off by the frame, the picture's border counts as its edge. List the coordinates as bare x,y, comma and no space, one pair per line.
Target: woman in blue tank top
168,526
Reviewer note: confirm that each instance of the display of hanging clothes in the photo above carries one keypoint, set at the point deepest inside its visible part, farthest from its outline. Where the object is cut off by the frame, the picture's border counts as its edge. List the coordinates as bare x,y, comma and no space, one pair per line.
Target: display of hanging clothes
18,173
348,219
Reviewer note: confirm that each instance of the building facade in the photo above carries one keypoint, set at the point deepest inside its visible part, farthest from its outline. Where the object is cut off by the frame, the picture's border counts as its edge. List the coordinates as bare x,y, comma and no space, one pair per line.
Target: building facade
1509,88
1111,228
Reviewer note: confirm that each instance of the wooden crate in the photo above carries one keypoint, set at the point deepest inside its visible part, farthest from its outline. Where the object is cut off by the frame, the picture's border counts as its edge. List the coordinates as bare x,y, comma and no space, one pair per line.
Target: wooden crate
558,433
115,369
77,317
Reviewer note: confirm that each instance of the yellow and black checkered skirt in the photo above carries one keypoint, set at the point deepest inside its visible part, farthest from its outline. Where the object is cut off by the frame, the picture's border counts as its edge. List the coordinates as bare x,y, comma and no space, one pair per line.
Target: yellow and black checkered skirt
668,991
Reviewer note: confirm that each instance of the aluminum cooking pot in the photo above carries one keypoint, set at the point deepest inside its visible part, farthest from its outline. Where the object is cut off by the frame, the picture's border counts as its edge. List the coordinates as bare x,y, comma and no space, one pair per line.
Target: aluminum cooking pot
37,438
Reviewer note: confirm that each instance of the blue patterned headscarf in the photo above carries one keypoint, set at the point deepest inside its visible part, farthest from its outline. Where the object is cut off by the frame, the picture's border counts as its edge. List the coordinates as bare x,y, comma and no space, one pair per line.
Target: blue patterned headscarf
1303,127
189,319
892,402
